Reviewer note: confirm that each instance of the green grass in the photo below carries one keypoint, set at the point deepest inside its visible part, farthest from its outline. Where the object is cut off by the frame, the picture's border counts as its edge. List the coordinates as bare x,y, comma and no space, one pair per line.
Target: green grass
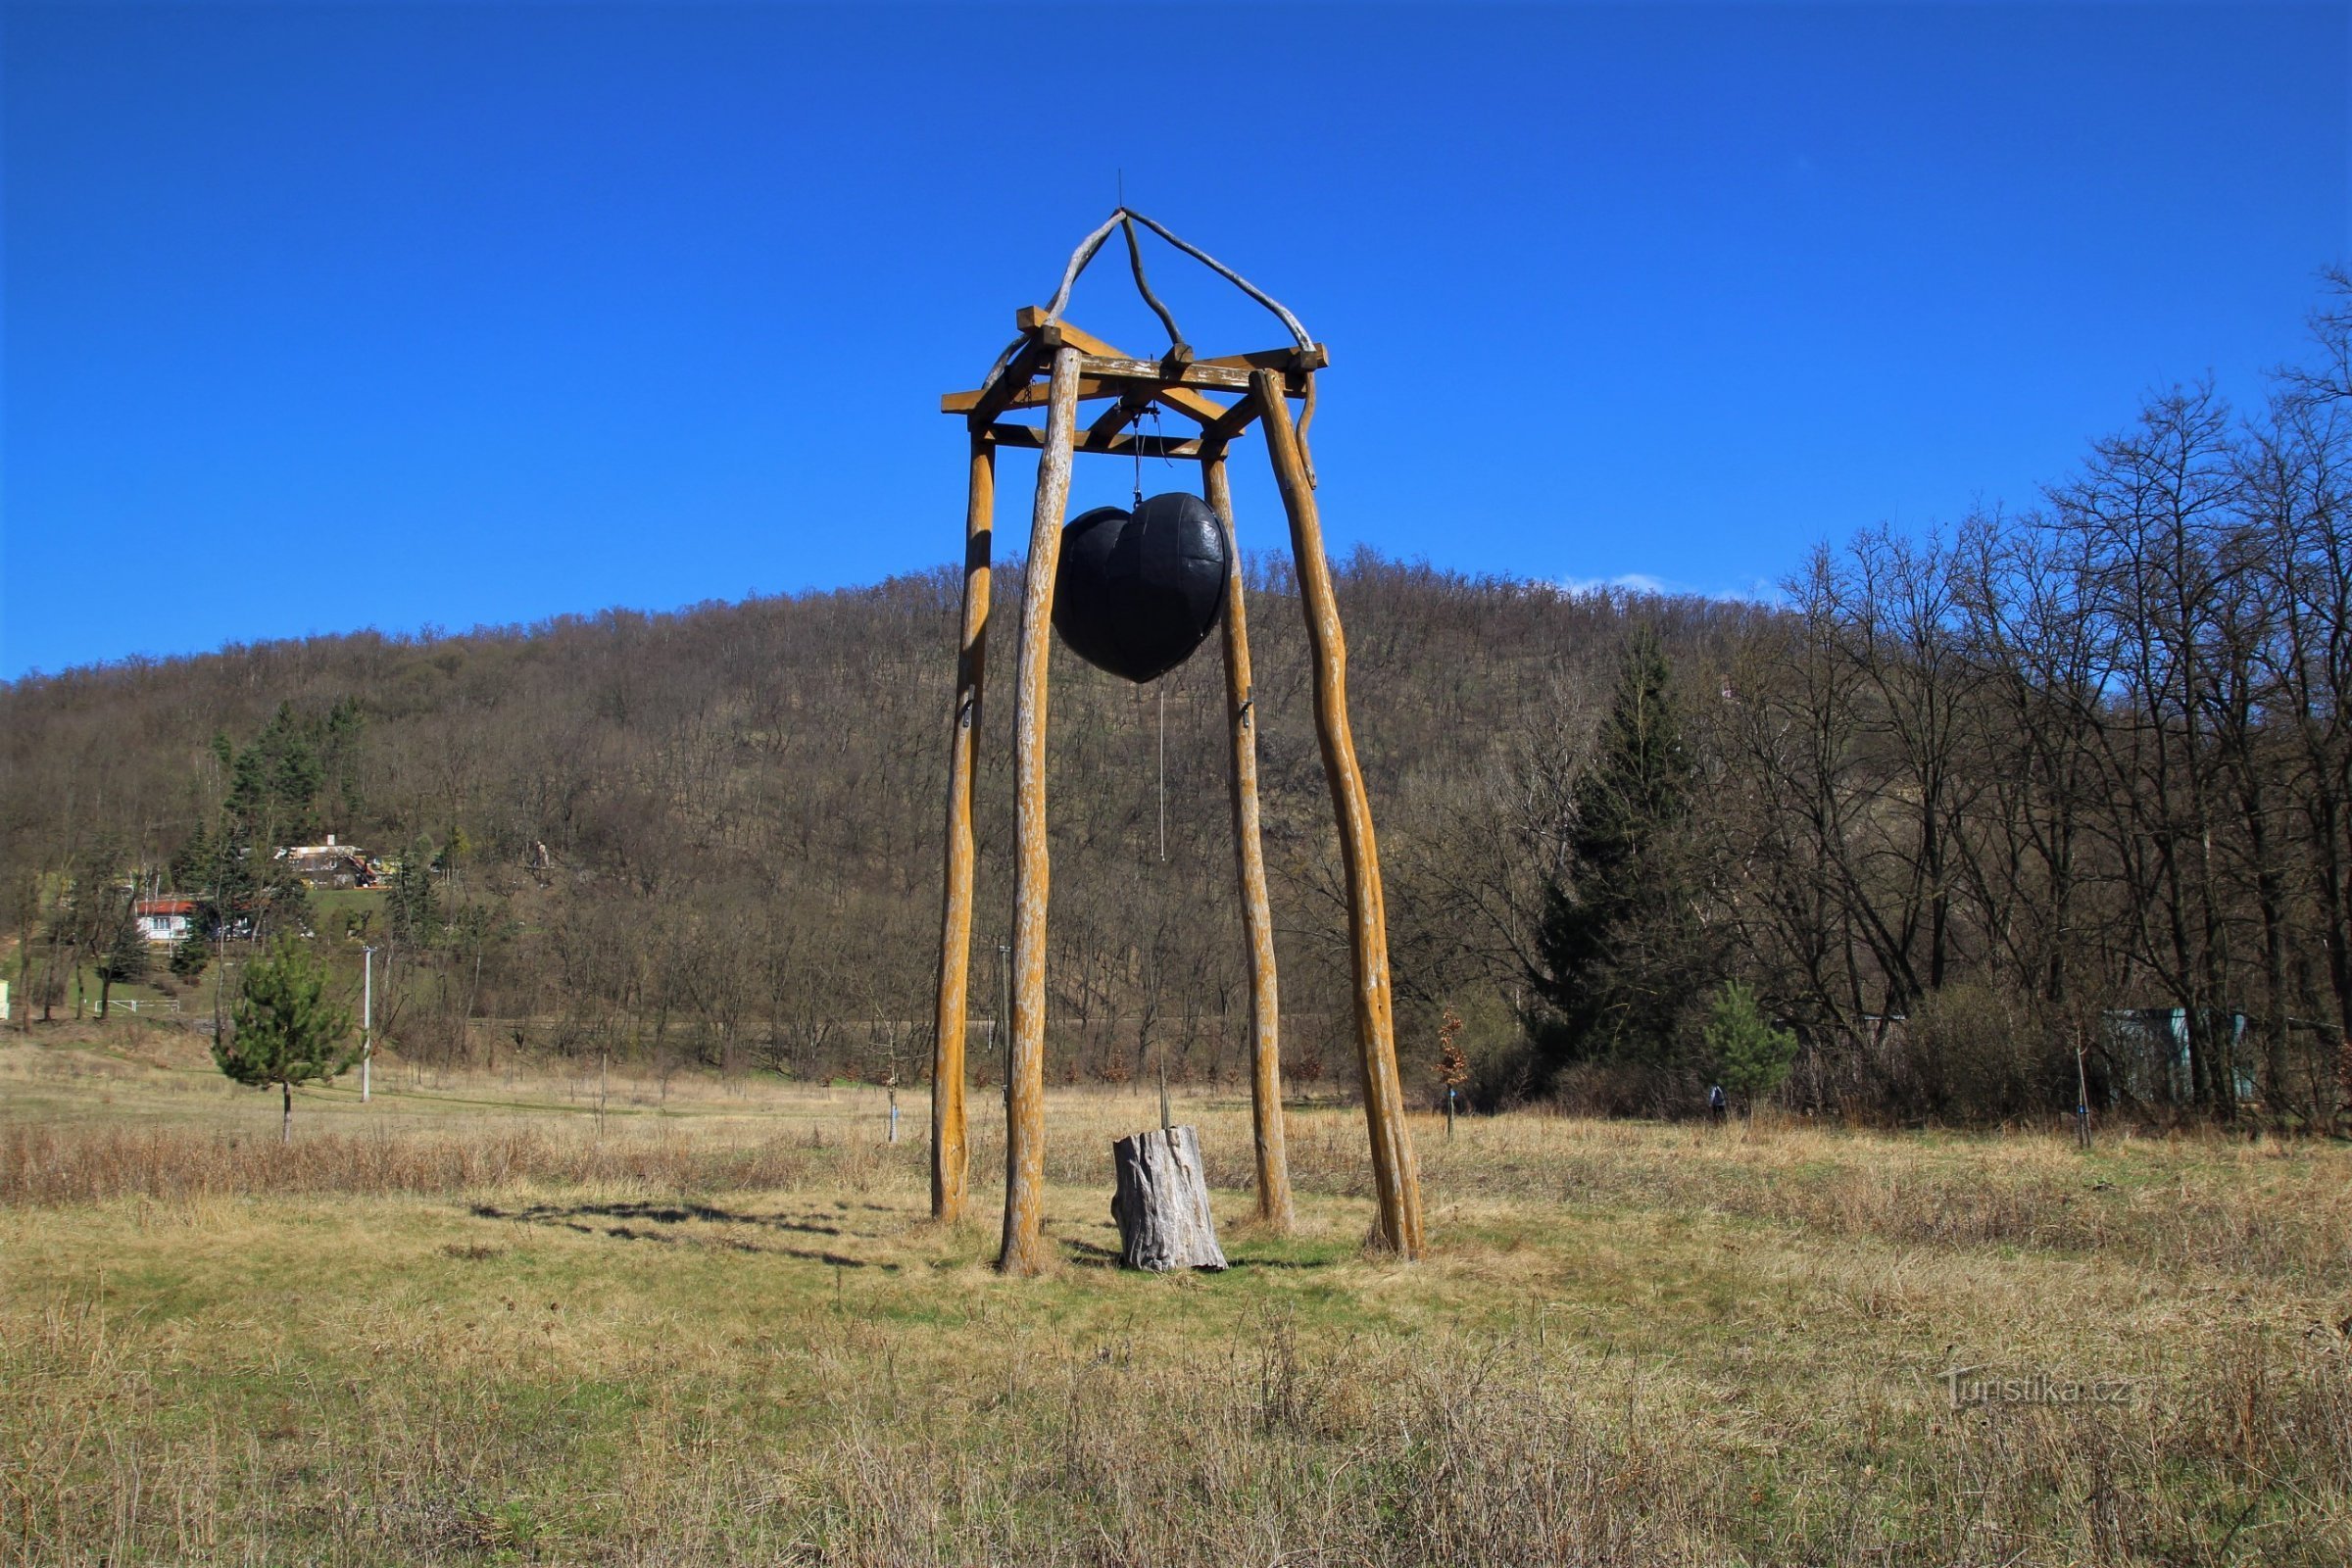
596,1343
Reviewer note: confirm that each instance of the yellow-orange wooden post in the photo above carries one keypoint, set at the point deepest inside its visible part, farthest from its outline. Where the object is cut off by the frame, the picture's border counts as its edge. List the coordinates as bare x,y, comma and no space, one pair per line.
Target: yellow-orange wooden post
1250,860
1395,1182
1023,1250
950,1159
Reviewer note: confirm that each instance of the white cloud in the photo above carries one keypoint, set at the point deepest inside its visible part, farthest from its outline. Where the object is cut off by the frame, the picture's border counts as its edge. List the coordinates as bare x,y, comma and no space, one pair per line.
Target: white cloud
1642,582
1632,583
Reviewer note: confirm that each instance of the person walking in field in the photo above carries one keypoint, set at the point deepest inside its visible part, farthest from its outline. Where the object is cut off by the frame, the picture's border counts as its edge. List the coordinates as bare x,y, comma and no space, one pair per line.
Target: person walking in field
1716,1106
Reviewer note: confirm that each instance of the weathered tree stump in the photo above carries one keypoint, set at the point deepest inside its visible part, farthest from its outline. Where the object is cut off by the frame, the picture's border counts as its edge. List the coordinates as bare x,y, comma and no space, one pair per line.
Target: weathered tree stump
1162,1205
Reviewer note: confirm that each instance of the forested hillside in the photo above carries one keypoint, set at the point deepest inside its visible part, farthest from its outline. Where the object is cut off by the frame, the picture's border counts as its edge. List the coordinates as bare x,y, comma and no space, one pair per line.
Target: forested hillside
2060,796
741,807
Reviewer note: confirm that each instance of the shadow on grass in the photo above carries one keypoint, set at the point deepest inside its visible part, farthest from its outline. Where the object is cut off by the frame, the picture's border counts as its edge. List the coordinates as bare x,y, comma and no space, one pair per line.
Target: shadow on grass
1088,1254
659,1214
651,1216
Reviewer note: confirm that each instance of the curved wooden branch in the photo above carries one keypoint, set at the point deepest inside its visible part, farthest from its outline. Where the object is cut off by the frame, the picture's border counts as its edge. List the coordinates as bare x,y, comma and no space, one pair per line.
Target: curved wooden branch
1142,286
1087,247
1229,275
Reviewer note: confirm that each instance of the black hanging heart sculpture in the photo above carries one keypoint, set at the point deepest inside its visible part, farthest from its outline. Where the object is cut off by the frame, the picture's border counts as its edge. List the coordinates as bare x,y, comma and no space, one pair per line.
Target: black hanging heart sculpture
1135,593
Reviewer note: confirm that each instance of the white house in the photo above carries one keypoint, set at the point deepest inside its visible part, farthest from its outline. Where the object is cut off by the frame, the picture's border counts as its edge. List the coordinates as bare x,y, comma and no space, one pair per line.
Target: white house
162,921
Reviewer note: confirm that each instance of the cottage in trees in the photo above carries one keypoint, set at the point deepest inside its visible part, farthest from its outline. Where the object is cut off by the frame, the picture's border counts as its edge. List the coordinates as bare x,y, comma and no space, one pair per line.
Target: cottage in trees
329,864
163,920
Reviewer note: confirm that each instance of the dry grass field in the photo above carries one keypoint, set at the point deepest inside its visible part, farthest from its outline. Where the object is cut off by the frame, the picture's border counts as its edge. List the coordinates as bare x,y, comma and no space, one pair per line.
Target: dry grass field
479,1321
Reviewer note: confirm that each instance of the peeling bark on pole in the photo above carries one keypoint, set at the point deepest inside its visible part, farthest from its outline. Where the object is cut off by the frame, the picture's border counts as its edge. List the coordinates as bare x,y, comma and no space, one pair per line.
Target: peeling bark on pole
1393,1177
951,1158
1023,1250
1250,858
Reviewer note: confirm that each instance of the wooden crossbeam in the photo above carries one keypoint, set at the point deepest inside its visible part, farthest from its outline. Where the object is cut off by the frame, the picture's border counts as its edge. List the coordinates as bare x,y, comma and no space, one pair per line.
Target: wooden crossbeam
1118,369
1169,376
1122,444
1236,420
1020,373
1029,395
1118,416
1288,361
1110,376
1177,383
1105,371
1033,319
1193,406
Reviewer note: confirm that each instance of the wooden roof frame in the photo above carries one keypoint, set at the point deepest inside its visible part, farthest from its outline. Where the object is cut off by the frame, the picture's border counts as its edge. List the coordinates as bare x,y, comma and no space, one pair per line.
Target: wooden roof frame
1055,365
1177,382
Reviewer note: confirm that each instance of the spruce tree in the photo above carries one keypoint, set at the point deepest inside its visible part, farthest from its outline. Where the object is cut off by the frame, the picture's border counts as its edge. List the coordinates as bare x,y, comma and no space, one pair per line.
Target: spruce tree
274,782
192,864
284,1031
414,908
191,954
1620,946
232,887
276,786
339,754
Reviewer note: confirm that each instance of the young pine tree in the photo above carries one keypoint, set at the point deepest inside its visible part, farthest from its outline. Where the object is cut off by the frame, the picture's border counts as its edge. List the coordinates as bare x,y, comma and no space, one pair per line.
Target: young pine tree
1751,1056
284,1031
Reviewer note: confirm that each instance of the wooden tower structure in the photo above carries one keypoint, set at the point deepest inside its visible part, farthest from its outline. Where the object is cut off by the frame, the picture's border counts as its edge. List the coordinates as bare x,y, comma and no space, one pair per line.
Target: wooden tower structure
1055,365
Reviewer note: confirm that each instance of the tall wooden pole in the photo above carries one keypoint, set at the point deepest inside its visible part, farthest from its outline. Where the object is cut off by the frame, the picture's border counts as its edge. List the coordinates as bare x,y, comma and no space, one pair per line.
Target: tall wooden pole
1394,1178
1249,859
951,1157
1023,1250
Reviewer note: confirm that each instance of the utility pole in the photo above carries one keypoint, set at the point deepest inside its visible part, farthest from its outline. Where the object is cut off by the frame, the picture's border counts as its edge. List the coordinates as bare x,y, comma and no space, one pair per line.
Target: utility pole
367,1021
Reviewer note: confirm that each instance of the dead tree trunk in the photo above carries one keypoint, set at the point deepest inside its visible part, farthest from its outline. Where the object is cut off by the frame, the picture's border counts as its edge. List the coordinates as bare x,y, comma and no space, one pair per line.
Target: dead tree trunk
1162,1205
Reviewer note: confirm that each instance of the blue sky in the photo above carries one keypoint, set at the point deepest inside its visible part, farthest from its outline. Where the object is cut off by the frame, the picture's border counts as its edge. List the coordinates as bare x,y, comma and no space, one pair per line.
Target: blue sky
328,316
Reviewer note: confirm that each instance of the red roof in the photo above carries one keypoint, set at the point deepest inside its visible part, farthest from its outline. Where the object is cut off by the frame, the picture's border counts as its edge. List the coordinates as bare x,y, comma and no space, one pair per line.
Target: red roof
164,906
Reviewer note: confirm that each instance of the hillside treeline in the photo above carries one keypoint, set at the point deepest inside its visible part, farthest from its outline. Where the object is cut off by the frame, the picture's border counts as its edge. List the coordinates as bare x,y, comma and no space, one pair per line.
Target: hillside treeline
2058,801
716,834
